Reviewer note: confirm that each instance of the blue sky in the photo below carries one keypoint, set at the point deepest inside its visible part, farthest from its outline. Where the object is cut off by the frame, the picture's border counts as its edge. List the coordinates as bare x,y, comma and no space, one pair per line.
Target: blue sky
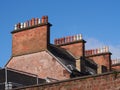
97,20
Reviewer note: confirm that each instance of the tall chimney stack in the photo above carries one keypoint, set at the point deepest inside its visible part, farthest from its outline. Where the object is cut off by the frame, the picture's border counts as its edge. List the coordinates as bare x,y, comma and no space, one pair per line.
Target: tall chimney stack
31,36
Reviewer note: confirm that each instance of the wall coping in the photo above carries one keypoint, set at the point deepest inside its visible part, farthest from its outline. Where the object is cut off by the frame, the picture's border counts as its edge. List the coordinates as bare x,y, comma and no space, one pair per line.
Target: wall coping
77,78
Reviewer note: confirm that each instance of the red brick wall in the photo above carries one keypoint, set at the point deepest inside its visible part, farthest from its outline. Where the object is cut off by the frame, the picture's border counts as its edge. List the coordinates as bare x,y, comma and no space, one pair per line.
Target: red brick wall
30,40
102,59
107,81
41,64
76,48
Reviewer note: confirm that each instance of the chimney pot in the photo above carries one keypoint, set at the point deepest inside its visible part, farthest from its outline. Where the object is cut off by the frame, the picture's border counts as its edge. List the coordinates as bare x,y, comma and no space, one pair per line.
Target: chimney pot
80,36
98,50
107,49
46,19
33,21
15,27
101,50
68,38
30,23
43,19
39,21
59,40
36,21
63,40
77,37
21,25
24,24
27,24
72,38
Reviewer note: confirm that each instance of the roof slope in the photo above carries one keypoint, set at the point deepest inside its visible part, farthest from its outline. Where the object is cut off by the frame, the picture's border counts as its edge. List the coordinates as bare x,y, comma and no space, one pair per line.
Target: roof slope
66,59
69,61
62,55
91,66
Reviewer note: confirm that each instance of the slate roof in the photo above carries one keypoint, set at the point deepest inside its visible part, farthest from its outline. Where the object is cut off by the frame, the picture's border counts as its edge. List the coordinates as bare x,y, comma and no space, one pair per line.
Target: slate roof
62,55
70,62
91,66
66,59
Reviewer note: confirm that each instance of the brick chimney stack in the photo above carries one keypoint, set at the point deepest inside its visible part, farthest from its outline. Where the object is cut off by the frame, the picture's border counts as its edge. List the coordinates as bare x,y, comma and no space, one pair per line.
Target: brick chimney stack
31,36
101,56
74,44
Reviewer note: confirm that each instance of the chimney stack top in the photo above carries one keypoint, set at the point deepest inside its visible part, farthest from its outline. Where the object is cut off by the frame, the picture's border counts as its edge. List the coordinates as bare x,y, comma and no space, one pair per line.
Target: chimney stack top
31,23
68,39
